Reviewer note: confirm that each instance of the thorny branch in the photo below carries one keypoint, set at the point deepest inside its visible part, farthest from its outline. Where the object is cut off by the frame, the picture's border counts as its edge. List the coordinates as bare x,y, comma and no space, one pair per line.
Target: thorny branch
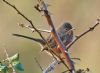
49,50
14,7
53,32
41,7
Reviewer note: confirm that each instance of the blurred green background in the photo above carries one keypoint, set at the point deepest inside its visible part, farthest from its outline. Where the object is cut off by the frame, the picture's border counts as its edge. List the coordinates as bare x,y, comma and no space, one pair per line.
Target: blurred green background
81,13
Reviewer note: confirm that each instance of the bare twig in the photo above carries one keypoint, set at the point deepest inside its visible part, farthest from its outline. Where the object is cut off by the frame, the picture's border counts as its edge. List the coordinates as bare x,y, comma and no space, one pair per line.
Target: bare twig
32,29
38,63
26,18
84,33
76,59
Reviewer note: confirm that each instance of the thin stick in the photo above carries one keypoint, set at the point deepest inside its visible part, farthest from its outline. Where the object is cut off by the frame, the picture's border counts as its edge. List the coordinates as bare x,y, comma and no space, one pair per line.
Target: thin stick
76,58
84,33
41,30
7,56
32,29
38,64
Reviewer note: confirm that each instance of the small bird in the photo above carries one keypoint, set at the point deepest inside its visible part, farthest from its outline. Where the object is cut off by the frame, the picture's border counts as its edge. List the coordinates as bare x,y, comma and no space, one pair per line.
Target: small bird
65,32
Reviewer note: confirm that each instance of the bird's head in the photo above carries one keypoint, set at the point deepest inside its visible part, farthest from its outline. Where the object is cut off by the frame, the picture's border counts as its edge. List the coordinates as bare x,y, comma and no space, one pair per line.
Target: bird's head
65,27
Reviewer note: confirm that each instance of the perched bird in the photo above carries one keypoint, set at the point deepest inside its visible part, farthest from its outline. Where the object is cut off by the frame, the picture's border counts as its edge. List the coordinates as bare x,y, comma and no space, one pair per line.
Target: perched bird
65,33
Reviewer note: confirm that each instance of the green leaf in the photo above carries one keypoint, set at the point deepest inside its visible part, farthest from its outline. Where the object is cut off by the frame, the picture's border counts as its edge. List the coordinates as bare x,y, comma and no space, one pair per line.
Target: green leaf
14,57
16,63
19,67
3,68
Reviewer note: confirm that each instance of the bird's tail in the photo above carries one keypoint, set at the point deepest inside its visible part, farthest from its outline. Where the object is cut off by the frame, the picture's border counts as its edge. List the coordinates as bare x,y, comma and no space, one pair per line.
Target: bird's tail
31,38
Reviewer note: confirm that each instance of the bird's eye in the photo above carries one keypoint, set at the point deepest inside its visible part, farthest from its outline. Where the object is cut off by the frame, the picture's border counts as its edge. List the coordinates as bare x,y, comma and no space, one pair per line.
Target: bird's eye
66,29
